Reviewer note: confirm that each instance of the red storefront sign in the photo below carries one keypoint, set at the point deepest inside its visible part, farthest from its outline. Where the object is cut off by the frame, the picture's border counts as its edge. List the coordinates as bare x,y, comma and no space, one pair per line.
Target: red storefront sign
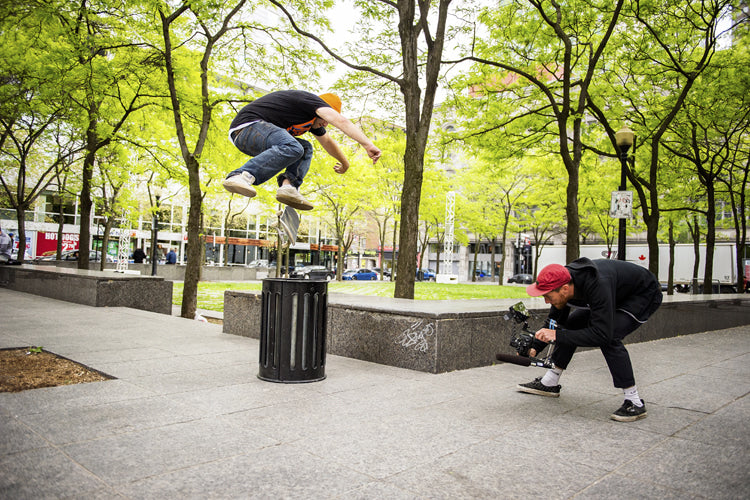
46,243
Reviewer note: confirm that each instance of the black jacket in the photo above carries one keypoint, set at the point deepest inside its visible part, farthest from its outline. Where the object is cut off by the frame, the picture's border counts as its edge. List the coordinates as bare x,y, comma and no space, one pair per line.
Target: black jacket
605,286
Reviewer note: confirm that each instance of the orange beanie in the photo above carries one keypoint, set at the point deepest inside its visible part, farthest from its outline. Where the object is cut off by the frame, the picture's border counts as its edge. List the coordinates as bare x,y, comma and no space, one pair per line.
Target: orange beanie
332,100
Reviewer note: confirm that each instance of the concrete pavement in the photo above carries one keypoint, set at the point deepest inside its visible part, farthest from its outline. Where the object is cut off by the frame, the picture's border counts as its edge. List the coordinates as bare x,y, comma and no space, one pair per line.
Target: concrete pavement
187,417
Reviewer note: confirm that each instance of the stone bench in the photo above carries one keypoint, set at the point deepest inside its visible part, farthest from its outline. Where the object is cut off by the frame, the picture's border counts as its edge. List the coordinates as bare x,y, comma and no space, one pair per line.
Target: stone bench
93,288
176,272
443,335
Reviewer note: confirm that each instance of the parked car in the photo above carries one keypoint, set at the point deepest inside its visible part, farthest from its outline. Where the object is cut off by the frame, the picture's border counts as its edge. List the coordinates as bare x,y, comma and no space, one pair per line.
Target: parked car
479,273
715,288
259,263
359,274
426,275
272,265
386,272
526,279
313,273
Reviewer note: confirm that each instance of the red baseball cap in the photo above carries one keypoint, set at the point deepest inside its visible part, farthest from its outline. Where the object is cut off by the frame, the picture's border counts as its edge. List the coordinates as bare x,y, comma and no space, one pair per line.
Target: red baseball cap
551,277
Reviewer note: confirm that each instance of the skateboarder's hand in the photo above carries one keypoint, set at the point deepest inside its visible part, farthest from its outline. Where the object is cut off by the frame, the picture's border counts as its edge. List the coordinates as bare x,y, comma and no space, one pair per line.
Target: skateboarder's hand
373,152
340,168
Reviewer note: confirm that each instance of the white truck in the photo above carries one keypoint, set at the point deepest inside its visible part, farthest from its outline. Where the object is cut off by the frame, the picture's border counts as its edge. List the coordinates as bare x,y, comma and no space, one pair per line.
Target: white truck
724,266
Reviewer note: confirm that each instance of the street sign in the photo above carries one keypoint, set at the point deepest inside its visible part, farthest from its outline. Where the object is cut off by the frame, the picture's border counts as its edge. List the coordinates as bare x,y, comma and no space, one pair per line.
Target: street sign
621,206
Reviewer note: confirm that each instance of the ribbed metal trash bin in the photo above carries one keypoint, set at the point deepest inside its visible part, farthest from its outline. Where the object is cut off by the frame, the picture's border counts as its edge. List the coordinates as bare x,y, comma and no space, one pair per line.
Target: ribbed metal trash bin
293,330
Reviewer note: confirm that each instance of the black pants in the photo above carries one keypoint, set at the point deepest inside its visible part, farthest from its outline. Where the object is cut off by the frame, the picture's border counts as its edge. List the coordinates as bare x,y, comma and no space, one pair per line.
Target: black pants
617,357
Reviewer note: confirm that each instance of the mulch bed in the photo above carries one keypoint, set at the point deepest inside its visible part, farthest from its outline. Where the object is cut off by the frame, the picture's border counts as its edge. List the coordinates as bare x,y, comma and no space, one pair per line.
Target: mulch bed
31,368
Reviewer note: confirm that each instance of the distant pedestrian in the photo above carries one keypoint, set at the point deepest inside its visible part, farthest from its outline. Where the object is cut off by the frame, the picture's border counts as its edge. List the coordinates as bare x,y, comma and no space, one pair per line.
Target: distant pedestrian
6,246
171,257
611,299
139,256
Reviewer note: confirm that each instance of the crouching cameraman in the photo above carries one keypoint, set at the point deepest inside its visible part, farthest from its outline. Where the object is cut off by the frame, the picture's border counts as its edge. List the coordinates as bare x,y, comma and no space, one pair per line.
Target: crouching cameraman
610,299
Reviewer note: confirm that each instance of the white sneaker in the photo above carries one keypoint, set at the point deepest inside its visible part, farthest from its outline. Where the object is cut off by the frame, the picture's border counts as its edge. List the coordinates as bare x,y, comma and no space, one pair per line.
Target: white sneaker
240,184
289,195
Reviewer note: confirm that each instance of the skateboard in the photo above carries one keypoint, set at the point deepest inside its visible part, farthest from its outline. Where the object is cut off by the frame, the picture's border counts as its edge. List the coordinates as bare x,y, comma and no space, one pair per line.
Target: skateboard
288,225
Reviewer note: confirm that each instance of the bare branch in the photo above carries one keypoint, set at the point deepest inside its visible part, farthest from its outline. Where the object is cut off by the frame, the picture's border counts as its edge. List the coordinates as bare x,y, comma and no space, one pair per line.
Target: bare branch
331,52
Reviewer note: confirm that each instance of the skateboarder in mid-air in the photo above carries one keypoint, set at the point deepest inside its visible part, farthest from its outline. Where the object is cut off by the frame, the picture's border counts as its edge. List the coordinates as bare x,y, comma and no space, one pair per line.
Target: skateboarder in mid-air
268,129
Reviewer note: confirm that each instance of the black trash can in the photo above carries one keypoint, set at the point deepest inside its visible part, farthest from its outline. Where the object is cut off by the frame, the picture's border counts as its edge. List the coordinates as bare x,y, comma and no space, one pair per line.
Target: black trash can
293,330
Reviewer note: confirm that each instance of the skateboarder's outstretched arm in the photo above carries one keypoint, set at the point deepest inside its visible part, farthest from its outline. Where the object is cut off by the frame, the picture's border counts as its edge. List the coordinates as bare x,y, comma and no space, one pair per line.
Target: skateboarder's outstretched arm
342,123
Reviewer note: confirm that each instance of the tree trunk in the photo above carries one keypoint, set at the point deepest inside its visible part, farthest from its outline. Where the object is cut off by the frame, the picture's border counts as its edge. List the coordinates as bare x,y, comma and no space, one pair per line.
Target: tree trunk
407,251
493,241
105,242
710,237
476,258
503,243
652,233
652,238
86,176
21,217
60,225
393,252
572,247
86,204
193,266
440,243
695,233
670,275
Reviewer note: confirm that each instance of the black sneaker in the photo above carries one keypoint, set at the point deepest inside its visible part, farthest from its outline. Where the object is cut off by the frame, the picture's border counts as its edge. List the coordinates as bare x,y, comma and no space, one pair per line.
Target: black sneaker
629,412
536,387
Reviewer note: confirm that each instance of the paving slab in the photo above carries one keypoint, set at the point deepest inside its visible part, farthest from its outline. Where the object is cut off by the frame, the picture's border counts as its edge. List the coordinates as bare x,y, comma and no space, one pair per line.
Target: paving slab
187,417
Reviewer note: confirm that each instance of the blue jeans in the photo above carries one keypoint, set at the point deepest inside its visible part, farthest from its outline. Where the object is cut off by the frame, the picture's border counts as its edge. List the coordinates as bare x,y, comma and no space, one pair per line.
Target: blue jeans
273,149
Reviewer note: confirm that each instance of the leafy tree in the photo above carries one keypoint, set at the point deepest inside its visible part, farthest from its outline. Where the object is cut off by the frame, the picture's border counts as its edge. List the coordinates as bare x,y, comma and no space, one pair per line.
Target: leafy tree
192,115
105,80
669,47
35,143
550,54
193,31
711,135
419,30
30,169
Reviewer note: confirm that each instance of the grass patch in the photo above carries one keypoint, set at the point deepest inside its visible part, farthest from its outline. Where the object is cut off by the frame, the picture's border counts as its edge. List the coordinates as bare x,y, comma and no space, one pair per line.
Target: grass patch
211,294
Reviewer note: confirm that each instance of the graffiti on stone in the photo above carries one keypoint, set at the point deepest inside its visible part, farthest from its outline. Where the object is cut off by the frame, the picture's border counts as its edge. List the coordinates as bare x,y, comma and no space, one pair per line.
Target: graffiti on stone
416,336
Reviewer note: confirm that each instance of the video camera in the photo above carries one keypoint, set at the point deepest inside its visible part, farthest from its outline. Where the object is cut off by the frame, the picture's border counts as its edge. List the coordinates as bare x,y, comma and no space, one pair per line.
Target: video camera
523,341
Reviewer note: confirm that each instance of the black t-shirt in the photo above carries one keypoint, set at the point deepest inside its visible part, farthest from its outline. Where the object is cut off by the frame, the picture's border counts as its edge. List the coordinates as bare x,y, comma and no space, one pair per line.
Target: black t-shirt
292,110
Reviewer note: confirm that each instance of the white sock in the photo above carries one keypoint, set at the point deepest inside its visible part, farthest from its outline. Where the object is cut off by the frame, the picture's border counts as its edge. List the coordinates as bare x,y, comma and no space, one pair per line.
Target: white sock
631,393
552,377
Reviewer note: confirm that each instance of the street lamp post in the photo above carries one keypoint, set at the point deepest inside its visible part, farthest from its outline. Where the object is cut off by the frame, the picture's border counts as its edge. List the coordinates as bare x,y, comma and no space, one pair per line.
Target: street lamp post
155,233
624,139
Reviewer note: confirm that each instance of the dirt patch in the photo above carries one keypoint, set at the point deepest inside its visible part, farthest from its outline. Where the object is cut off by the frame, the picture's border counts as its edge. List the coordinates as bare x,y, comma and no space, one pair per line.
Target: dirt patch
32,368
